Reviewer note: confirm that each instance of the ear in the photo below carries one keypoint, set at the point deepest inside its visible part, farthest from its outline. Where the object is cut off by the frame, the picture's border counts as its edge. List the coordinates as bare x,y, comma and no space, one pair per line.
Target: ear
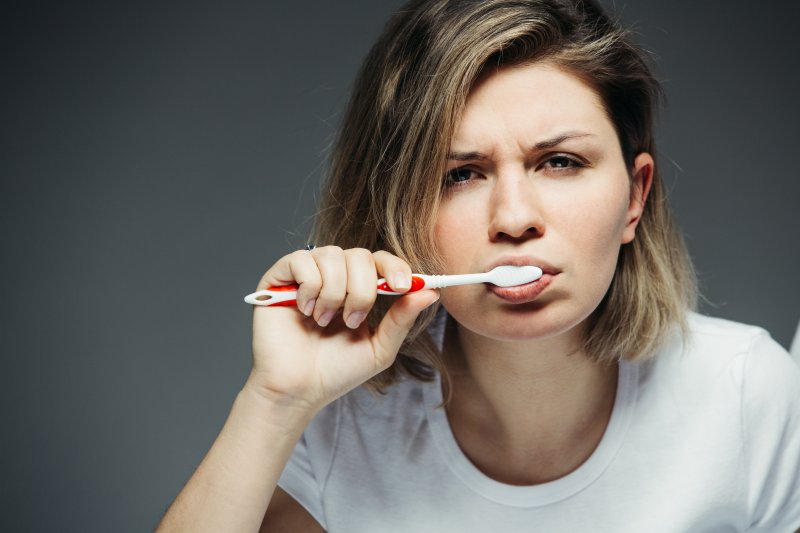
642,179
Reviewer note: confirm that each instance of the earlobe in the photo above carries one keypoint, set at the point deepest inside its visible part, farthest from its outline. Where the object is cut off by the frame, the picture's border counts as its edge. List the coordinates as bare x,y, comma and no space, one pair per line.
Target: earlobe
641,180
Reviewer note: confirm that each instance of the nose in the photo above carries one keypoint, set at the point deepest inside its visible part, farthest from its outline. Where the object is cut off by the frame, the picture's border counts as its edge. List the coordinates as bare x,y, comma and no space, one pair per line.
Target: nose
515,214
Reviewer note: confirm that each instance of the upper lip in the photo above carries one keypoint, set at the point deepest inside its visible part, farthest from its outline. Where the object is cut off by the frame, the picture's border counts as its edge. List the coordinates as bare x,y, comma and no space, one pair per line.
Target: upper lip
523,260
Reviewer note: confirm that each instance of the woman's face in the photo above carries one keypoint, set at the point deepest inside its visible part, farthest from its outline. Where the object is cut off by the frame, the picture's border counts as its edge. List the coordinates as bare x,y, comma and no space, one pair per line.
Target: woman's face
535,176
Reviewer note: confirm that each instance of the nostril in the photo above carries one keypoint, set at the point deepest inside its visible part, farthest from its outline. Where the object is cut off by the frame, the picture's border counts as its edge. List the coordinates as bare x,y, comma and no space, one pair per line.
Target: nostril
518,236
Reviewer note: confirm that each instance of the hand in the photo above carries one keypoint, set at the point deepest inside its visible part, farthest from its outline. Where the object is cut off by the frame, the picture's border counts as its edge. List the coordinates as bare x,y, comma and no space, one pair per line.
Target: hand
310,358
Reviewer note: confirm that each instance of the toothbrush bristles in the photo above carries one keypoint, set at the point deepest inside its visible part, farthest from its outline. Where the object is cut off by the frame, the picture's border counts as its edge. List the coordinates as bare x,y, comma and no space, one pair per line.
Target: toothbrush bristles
510,276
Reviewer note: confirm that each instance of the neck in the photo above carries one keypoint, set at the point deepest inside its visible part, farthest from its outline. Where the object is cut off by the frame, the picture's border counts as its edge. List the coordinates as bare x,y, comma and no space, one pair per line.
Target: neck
544,403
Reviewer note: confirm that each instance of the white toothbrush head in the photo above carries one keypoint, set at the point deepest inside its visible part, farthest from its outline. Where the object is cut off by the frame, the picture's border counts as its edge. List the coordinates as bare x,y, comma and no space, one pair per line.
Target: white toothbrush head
509,275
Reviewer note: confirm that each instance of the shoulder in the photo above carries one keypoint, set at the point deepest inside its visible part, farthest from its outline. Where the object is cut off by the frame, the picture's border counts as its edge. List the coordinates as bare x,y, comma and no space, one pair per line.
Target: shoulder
764,363
736,392
715,344
726,336
763,369
766,383
725,362
740,364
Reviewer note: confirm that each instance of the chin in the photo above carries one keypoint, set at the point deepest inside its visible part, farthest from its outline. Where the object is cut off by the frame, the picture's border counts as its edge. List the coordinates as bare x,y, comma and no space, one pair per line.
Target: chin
533,321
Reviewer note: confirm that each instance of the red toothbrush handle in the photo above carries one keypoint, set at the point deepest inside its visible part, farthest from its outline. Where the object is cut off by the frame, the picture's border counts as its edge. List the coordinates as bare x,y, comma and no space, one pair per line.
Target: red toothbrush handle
417,284
271,297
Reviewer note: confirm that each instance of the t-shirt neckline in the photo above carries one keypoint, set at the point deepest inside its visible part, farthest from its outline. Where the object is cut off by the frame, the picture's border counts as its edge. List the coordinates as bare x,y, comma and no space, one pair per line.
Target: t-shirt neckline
545,493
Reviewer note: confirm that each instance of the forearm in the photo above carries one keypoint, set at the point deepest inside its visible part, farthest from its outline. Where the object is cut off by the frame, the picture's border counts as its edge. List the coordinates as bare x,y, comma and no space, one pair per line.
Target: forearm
233,485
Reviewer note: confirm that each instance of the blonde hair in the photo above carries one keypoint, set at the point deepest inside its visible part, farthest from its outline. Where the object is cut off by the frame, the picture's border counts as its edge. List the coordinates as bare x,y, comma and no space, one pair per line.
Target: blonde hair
385,177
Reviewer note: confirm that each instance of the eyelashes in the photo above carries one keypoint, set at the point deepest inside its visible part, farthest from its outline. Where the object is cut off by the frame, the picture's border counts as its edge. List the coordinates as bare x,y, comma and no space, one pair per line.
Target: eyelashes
553,165
565,162
458,175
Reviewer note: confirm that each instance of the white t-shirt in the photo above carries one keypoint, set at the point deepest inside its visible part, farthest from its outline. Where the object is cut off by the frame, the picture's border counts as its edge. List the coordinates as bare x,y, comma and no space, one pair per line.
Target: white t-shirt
701,440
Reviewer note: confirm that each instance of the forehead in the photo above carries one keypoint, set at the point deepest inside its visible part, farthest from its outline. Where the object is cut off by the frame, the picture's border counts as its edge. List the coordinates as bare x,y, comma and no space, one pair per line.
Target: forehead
530,100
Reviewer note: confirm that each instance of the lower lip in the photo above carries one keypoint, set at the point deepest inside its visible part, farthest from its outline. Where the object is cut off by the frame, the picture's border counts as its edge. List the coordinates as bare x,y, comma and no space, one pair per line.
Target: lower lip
520,294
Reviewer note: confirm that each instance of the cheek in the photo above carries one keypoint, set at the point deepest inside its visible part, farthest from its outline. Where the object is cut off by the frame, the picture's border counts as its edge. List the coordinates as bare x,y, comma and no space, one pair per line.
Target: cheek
595,228
455,235
596,220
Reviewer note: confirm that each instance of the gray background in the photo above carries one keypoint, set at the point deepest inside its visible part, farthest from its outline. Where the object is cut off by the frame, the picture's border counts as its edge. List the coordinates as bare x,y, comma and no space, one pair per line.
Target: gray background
156,157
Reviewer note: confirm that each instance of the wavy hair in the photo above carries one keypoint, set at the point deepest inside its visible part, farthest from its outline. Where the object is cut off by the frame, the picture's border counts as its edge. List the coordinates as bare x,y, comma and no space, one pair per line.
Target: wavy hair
384,181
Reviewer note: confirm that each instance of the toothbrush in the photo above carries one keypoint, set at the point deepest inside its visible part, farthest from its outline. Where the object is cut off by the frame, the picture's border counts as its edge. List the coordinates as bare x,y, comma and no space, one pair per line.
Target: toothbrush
502,276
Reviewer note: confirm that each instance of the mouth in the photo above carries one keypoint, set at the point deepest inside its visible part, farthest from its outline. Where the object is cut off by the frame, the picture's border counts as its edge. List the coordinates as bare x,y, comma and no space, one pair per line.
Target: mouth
520,294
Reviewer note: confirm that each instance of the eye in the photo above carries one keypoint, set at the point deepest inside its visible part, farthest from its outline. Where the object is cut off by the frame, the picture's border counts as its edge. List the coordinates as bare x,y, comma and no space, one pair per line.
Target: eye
563,163
560,162
458,176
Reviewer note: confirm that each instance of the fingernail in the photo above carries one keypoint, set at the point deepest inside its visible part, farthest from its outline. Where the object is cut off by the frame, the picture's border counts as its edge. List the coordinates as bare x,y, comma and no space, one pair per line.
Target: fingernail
325,318
309,308
355,318
401,280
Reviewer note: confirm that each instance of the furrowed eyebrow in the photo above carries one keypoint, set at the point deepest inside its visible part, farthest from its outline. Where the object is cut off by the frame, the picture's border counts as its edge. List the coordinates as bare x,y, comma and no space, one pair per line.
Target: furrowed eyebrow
558,139
541,145
466,156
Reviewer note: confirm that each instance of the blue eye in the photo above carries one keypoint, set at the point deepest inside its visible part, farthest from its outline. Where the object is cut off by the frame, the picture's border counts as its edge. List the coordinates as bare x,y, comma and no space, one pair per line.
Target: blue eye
563,162
458,175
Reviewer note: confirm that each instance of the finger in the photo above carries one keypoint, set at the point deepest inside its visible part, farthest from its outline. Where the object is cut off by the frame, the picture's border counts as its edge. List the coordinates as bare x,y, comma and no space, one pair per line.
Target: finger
397,322
362,279
333,269
297,267
395,270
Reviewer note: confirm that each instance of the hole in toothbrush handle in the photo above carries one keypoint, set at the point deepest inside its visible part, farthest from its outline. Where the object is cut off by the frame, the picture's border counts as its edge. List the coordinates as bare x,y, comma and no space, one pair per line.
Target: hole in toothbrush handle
417,284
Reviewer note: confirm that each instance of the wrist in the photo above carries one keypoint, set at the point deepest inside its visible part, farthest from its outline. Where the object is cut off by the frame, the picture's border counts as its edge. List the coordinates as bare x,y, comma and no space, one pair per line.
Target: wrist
276,408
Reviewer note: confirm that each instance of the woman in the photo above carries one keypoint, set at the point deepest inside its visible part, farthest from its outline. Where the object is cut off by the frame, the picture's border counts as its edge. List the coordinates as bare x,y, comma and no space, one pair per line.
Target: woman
481,134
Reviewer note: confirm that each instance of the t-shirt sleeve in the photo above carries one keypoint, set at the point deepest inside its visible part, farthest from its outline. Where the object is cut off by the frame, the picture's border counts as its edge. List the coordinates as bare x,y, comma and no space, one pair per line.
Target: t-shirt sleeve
304,476
771,425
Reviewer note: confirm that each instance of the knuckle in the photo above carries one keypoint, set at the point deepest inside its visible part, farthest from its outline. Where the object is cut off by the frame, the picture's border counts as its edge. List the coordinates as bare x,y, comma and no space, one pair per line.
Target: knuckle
332,293
359,253
360,301
388,257
297,255
311,286
329,250
265,280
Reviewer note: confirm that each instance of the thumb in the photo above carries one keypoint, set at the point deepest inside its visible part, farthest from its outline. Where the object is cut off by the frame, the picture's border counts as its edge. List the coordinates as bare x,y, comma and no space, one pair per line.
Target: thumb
397,323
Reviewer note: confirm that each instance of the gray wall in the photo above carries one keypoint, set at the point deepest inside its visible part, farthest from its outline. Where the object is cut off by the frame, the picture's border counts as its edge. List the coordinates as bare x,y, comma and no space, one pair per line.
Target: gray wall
156,157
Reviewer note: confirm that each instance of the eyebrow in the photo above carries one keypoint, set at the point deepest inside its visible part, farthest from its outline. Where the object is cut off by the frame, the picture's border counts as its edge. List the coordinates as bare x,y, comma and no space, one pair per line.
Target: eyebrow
541,145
